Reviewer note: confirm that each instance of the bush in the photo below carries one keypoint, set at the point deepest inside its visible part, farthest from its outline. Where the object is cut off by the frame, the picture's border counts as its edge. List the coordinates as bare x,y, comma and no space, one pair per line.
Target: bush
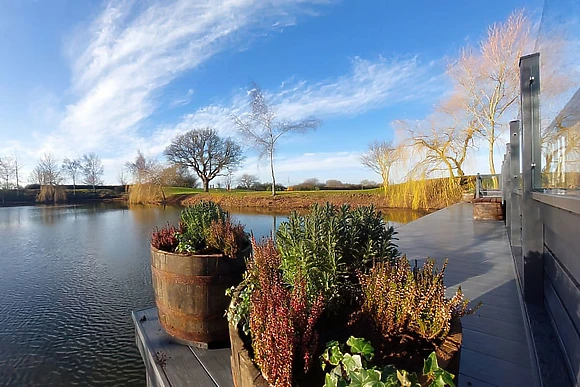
281,320
329,244
203,228
51,194
400,300
165,239
195,224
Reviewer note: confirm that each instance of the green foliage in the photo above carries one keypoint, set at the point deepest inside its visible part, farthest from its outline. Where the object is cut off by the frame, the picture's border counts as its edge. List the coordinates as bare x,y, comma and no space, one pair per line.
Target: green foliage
401,300
330,243
195,223
355,369
238,312
203,227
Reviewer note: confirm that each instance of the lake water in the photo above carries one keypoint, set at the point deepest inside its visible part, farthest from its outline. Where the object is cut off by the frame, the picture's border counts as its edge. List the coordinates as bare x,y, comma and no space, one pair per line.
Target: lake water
70,277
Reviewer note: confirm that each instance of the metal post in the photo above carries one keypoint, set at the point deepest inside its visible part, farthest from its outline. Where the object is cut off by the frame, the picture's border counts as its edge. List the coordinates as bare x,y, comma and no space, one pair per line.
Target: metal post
477,186
507,187
515,178
532,228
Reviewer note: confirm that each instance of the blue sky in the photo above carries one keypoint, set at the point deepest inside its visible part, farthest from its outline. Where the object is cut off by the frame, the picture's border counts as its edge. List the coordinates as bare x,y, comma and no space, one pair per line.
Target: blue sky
114,77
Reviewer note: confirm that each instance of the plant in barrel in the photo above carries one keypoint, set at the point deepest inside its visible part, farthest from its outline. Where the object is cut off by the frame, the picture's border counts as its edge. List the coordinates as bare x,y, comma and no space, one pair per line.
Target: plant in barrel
192,265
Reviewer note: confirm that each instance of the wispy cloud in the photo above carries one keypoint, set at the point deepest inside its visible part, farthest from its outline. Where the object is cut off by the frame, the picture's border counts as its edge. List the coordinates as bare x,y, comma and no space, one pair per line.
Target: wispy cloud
184,100
132,50
370,84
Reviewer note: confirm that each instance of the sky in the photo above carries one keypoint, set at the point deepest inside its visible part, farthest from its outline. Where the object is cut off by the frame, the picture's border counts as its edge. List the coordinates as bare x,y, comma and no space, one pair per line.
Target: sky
115,77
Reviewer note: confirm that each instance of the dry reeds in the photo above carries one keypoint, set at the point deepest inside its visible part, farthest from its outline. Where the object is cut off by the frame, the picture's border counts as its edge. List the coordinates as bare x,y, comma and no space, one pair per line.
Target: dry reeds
423,193
51,194
146,193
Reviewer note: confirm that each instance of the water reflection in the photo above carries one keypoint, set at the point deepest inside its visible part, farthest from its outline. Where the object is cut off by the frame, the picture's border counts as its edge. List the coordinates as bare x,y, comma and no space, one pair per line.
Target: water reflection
71,275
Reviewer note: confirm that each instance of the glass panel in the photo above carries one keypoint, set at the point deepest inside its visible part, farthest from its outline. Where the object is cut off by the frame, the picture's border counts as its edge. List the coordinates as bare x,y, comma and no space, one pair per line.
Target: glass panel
559,46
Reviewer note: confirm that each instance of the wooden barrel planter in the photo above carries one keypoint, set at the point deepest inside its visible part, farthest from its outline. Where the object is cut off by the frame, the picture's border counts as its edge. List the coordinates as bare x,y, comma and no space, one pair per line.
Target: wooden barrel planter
488,208
245,373
190,294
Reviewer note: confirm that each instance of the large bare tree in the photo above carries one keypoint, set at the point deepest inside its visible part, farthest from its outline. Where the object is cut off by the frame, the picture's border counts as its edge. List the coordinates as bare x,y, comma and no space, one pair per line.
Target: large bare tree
262,128
92,170
203,150
487,78
443,140
248,181
47,171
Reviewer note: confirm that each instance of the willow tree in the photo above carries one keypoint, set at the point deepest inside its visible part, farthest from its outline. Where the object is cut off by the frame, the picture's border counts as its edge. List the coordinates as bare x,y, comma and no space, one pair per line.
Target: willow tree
263,129
380,157
487,78
443,140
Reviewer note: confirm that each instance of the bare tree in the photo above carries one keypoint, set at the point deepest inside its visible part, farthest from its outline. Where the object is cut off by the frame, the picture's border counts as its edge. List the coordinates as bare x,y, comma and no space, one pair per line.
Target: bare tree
380,157
263,129
6,171
248,181
488,78
141,168
367,183
72,168
92,170
47,171
122,177
205,152
229,177
443,140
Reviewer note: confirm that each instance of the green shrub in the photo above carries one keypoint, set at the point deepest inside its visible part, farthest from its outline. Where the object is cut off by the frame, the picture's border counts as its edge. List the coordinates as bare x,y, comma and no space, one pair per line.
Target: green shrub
195,222
330,244
203,228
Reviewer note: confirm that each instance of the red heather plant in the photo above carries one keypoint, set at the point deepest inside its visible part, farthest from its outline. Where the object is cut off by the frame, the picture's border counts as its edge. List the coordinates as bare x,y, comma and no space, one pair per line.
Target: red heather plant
226,236
165,239
401,300
281,321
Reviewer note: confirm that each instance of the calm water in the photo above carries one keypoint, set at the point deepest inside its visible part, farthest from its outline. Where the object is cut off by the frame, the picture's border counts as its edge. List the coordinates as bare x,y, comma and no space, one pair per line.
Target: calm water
69,278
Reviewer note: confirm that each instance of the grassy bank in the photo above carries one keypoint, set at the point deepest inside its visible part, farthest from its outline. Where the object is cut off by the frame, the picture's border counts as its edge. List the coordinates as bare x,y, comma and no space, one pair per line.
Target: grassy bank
430,194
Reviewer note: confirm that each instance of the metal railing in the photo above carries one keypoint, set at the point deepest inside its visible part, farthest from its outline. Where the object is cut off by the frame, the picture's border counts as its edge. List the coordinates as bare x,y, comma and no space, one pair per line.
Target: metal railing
543,228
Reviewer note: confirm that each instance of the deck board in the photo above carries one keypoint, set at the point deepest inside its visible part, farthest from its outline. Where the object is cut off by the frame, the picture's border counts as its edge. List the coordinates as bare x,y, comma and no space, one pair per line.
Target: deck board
170,364
496,350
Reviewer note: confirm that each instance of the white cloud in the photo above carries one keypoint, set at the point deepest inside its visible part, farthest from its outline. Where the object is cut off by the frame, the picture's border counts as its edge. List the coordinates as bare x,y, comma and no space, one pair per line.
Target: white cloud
132,50
369,85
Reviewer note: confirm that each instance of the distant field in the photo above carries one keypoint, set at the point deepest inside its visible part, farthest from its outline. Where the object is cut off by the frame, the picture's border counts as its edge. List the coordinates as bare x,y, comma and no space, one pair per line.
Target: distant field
172,191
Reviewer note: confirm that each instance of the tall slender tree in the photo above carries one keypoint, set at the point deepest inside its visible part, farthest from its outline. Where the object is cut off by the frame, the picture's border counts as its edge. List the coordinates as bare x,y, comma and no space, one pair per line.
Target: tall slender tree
93,170
263,129
72,168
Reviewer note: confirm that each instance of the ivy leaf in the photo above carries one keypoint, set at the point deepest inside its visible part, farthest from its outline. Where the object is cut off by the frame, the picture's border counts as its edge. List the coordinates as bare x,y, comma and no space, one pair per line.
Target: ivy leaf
336,356
366,378
430,365
330,380
443,378
359,345
352,362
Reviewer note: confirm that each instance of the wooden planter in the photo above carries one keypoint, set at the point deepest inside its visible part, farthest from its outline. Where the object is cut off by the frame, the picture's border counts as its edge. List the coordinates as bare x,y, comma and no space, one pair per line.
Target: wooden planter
190,294
487,208
246,374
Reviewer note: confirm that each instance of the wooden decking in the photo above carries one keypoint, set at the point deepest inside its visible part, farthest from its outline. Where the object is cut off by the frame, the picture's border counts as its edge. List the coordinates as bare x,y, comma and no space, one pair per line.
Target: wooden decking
495,350
170,364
